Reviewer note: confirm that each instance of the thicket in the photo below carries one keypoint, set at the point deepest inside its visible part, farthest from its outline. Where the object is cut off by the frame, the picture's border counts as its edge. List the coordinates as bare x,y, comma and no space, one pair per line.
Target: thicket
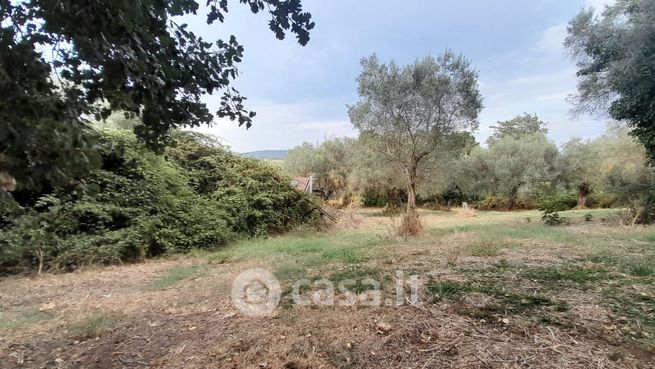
138,204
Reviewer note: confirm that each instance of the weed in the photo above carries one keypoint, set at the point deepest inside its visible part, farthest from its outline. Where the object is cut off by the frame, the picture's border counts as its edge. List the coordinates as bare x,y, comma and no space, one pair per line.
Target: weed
93,325
553,219
483,249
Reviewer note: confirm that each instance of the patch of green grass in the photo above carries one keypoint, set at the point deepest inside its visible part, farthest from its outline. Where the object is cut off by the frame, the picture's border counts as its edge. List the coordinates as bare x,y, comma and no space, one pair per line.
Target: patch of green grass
557,274
519,303
343,247
447,289
93,325
22,318
358,274
484,248
178,274
638,265
342,255
290,273
643,270
637,308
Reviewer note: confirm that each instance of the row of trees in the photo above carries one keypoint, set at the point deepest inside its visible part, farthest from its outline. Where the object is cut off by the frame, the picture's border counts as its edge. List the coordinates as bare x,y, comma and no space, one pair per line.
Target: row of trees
518,167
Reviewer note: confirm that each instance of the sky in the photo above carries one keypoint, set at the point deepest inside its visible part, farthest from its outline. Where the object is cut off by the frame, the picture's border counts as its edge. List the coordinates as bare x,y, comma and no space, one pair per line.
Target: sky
301,93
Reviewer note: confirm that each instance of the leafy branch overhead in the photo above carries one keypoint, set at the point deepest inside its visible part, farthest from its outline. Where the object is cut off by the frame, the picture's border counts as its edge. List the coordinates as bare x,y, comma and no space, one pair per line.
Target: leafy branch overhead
64,61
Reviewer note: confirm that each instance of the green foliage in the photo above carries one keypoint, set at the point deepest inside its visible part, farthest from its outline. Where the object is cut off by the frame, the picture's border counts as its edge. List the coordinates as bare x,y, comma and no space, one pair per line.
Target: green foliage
616,58
330,163
378,197
588,217
396,110
139,204
551,205
517,127
558,202
602,199
256,197
493,202
553,218
111,56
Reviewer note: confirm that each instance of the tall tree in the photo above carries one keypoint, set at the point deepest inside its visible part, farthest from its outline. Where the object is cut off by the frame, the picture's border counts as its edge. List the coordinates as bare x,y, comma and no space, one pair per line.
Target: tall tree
63,61
521,125
406,113
615,51
581,167
521,164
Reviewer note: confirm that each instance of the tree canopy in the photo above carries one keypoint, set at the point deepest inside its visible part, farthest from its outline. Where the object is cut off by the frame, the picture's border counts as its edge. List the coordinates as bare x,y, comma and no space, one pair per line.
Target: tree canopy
521,125
406,113
615,51
62,62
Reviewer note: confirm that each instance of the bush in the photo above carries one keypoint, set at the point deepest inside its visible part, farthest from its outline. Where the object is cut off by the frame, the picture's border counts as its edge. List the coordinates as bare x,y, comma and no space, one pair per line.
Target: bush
493,203
378,198
139,204
553,218
558,202
501,203
603,200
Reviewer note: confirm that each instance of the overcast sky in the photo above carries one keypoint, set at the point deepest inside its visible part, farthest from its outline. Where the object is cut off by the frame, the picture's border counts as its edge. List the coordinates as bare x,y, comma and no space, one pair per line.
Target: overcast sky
300,93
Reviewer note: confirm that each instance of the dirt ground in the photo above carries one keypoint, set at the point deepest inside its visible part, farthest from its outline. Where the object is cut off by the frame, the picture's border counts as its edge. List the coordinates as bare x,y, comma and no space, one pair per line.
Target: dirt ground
131,316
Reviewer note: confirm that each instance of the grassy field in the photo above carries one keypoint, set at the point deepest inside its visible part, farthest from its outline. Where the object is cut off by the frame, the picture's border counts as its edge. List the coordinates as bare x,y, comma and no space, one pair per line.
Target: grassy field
498,290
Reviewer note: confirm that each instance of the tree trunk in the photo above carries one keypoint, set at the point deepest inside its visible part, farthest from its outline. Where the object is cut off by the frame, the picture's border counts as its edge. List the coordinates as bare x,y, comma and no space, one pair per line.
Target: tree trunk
583,191
411,189
409,222
512,198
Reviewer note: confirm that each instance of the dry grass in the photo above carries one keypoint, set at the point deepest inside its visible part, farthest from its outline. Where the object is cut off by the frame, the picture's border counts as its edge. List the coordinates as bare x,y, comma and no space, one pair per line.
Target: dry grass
500,293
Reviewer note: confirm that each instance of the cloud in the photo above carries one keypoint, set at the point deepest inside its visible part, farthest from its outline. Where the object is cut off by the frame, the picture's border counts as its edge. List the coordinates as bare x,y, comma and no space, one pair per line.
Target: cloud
552,39
282,125
544,78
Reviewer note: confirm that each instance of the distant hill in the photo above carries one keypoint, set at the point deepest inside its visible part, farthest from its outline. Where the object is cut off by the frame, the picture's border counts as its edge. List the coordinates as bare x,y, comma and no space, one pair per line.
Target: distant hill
267,154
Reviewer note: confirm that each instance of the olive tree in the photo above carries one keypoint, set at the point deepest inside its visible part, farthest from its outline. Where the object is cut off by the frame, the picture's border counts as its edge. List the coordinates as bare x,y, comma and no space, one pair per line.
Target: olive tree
407,113
519,126
521,164
581,167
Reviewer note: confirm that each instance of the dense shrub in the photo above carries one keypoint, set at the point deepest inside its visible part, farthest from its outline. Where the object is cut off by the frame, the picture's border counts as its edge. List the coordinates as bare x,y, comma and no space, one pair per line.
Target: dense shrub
600,199
377,197
500,203
553,218
558,202
257,198
139,204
